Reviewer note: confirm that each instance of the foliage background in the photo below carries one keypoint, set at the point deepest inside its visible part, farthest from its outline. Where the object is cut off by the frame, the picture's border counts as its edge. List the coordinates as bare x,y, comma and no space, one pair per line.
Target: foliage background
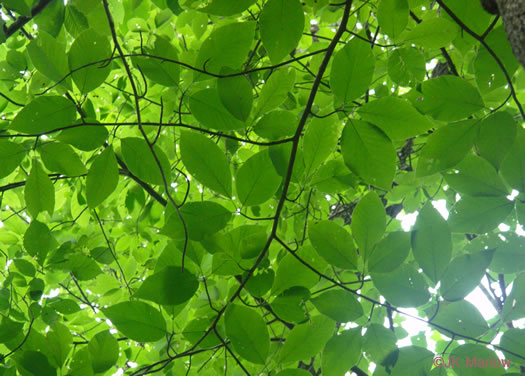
213,188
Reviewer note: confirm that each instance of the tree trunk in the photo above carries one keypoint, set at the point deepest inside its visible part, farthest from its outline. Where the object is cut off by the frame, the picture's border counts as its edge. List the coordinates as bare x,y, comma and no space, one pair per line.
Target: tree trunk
513,14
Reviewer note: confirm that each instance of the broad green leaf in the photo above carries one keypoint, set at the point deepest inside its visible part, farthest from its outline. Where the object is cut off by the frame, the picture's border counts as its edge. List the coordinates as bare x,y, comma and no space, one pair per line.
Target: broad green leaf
461,317
236,96
276,125
475,176
320,140
25,267
508,257
280,156
51,18
44,114
513,165
432,33
378,342
291,272
476,360
202,218
65,306
88,48
396,117
9,329
36,363
289,305
339,305
137,321
102,255
392,16
227,46
170,286
206,162
59,343
352,70
368,222
342,352
275,91
227,7
389,253
299,344
84,137
334,244
257,181
104,350
281,24
514,307
411,359
369,153
141,161
162,72
81,363
449,98
83,268
208,109
456,138
39,191
61,158
479,214
406,66
431,242
11,156
513,340
38,240
463,274
102,178
496,137
248,333
403,287
48,55
294,372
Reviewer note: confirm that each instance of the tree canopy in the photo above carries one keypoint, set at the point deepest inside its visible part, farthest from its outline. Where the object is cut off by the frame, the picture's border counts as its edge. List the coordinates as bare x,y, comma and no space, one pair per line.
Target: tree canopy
191,187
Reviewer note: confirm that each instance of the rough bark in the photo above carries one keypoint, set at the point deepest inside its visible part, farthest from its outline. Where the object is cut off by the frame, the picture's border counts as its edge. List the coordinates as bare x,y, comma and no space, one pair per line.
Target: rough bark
512,13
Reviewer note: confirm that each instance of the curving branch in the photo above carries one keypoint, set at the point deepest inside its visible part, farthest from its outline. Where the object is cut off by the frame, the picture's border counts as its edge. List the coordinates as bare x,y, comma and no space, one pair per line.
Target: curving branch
22,20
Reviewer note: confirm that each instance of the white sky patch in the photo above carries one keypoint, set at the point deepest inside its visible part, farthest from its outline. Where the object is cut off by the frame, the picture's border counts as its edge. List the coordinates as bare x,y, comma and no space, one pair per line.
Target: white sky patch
407,220
441,207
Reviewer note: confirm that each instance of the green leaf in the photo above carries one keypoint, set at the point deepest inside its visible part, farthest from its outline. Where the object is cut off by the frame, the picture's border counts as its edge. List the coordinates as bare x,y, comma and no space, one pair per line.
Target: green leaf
389,253
209,111
85,137
477,215
339,305
248,333
236,96
476,360
65,306
227,46
170,286
449,98
102,178
88,48
282,24
403,287
11,156
378,342
294,372
48,55
341,352
289,305
140,160
299,345
396,117
227,7
25,267
496,137
320,140
102,255
44,114
39,191
257,181
369,153
162,72
137,321
291,272
275,91
51,18
432,33
368,222
61,158
38,240
9,329
83,267
431,242
456,138
206,162
461,317
334,244
276,125
392,16
463,274
406,66
37,364
352,70
513,165
508,257
513,340
59,343
412,359
104,351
